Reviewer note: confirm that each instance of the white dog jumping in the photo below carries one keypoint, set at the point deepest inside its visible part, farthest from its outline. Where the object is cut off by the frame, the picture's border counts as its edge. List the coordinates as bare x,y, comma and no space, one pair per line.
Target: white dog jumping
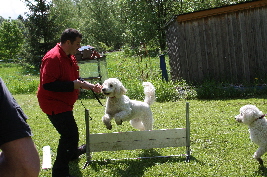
257,123
121,108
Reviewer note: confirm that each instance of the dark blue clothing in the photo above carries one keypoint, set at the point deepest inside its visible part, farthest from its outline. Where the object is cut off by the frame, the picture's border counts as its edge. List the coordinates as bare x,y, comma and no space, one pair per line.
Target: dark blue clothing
13,124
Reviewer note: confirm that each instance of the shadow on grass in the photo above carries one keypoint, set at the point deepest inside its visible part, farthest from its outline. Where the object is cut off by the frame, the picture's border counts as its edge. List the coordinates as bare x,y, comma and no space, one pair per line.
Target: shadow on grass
137,166
75,169
262,171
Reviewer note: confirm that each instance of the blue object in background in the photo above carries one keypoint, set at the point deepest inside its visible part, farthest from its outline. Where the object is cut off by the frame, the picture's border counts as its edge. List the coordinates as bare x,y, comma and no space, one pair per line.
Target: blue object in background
163,67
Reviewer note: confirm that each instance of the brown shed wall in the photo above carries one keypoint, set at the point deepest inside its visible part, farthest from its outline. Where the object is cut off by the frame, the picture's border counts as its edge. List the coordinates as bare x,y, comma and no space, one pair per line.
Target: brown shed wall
227,46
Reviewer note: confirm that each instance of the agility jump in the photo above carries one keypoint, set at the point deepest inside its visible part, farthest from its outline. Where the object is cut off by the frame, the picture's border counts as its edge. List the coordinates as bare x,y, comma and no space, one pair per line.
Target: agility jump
177,137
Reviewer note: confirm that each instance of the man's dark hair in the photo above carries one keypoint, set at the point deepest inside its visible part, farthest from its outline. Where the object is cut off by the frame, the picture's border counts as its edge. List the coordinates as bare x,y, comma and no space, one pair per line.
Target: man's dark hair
70,34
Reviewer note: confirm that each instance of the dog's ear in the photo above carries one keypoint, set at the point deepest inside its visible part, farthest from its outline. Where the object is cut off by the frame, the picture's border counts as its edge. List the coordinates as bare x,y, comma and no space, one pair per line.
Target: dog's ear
120,90
254,112
251,114
123,90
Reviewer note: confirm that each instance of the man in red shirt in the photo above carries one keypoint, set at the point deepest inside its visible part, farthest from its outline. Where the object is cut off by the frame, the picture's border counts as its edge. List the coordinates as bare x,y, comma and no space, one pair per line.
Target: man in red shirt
57,93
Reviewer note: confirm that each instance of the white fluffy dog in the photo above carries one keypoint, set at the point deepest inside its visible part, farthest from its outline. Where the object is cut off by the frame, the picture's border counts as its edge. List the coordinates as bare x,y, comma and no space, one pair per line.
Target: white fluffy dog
257,123
121,108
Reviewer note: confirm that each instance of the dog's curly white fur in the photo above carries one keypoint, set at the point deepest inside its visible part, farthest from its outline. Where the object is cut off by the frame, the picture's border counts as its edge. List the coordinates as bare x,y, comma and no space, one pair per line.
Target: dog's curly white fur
121,108
257,123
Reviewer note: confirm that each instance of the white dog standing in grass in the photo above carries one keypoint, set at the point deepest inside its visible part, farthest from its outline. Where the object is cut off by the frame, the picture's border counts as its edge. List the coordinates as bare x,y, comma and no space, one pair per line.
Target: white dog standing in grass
122,109
257,123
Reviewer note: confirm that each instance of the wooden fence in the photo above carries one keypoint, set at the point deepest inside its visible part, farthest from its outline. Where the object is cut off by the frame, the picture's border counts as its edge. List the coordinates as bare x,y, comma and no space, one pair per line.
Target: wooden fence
227,44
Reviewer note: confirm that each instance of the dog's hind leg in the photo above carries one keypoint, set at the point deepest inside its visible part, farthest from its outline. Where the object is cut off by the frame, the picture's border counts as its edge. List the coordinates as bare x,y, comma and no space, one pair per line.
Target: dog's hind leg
118,121
148,123
147,120
257,155
137,123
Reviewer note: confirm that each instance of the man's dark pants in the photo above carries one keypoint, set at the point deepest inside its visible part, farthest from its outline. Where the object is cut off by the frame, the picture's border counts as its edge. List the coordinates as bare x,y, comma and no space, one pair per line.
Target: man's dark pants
67,148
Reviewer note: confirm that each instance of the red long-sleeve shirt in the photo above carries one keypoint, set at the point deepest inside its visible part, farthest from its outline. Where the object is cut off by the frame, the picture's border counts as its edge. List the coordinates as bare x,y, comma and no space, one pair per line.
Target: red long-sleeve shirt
57,70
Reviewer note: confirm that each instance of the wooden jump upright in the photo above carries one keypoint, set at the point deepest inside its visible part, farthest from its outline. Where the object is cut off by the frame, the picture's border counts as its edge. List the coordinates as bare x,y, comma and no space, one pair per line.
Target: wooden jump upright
137,139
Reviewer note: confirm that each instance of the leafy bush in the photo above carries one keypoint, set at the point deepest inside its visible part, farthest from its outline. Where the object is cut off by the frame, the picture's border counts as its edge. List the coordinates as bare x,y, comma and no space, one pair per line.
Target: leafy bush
132,71
11,39
215,90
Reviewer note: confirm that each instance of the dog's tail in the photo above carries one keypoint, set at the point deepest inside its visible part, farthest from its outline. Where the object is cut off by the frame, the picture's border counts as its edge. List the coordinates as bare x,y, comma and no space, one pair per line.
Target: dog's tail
149,91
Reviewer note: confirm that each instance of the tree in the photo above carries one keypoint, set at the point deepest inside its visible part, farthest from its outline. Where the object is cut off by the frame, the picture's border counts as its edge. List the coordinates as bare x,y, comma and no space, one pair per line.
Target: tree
145,21
101,22
42,31
1,19
66,14
109,23
142,23
11,39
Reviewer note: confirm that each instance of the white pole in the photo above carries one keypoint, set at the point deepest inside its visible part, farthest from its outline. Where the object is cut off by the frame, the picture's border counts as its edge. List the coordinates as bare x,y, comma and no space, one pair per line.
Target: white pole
46,157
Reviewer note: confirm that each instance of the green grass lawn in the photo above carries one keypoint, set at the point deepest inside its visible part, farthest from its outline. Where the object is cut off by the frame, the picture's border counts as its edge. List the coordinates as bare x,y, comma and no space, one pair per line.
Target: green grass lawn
220,146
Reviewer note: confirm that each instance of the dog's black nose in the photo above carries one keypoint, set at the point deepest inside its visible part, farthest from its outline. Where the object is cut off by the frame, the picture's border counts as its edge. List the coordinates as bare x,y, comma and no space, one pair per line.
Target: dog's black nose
103,89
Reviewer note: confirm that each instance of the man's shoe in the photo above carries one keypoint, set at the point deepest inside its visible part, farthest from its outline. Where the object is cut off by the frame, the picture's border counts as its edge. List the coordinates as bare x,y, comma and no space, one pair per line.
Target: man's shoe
81,149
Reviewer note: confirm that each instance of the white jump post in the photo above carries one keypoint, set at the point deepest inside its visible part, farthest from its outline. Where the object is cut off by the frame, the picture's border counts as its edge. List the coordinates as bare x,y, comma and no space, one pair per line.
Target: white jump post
138,139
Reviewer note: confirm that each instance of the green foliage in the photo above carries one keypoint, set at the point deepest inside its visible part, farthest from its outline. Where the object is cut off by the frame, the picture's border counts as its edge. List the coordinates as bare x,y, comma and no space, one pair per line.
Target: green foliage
1,19
103,47
215,90
11,39
132,71
107,25
65,14
42,31
142,22
121,23
101,23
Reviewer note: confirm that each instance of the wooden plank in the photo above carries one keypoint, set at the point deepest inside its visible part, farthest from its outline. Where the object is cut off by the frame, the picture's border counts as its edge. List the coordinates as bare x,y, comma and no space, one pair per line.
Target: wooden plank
203,49
175,51
259,46
180,52
192,53
244,42
231,20
186,60
226,50
183,51
214,50
262,43
208,49
197,50
263,36
252,45
138,140
226,72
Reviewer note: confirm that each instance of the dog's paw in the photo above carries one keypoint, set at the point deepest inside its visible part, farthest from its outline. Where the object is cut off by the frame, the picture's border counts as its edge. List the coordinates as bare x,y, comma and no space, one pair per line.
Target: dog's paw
118,122
107,124
109,127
